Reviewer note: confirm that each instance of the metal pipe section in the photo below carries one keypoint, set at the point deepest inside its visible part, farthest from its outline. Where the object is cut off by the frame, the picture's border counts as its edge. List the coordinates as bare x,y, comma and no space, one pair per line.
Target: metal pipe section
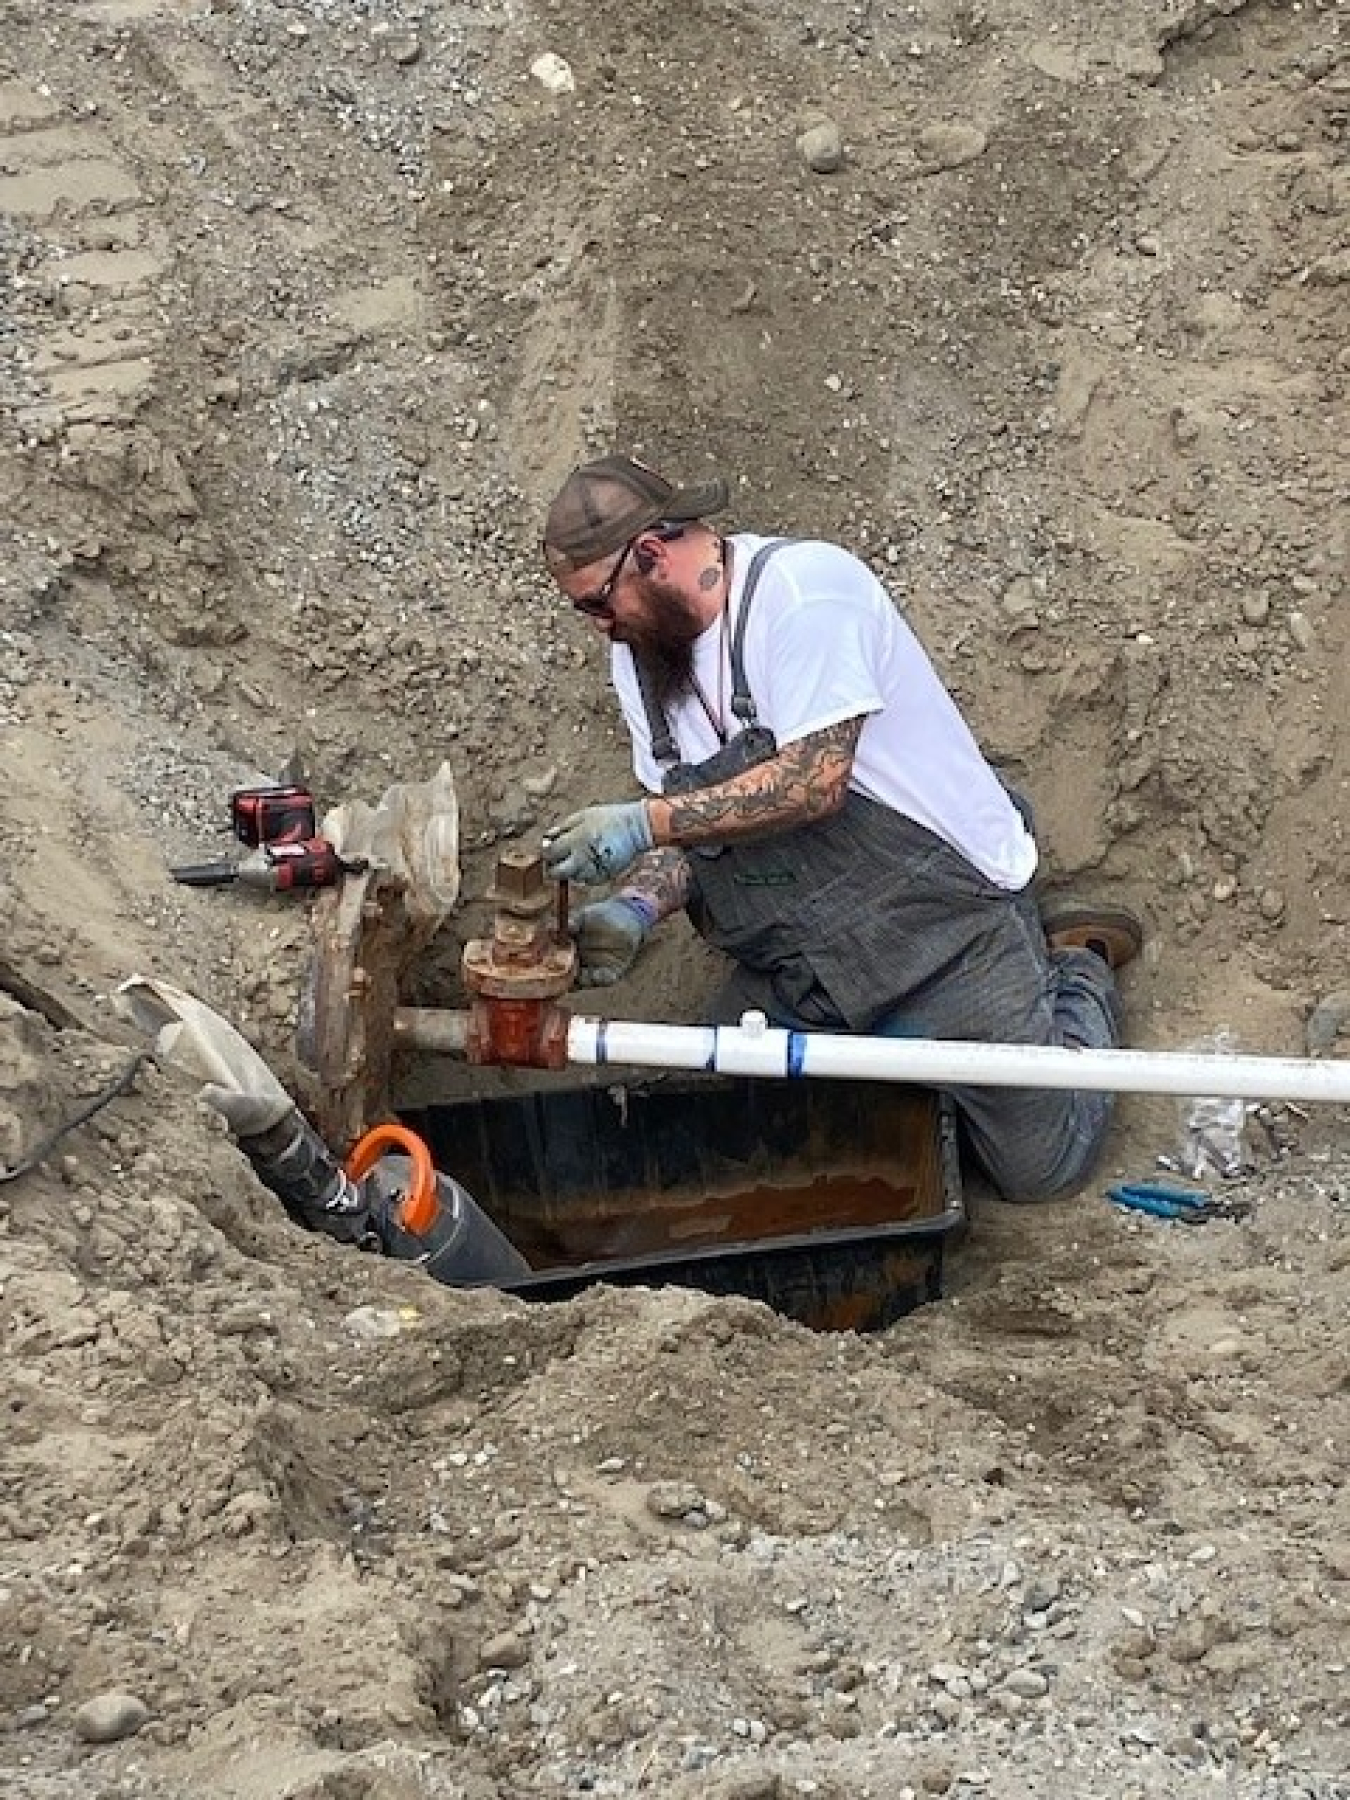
437,1029
756,1048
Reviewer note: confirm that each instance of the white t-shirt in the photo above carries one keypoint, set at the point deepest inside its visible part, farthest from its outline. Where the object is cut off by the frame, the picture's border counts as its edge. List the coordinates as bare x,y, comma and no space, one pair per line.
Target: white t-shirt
824,643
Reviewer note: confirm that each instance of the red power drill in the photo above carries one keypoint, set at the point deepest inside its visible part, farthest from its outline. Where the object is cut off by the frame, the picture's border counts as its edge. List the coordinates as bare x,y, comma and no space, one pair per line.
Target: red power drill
313,863
277,822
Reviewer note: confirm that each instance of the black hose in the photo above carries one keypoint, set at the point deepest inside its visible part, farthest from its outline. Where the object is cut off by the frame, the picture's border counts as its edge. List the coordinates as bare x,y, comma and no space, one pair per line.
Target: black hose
86,1112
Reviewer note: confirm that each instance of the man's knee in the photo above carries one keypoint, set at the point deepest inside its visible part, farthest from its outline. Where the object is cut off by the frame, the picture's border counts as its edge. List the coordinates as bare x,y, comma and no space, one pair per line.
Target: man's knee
1036,1147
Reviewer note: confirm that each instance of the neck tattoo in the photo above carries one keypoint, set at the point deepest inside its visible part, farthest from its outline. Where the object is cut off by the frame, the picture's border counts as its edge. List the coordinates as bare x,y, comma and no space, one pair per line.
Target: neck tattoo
716,573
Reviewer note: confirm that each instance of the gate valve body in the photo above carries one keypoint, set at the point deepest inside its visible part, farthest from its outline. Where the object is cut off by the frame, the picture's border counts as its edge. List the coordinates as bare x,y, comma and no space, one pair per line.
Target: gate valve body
516,976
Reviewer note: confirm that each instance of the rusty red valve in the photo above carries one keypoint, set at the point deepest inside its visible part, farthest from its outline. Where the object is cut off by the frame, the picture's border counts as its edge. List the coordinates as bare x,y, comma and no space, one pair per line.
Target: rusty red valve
518,1034
517,975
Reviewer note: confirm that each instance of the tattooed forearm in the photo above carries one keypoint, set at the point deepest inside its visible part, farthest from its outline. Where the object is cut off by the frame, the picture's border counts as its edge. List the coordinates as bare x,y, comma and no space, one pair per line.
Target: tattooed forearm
662,876
804,782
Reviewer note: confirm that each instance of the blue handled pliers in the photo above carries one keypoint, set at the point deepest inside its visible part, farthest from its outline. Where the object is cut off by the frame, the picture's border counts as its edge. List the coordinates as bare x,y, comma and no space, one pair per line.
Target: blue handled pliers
1165,1200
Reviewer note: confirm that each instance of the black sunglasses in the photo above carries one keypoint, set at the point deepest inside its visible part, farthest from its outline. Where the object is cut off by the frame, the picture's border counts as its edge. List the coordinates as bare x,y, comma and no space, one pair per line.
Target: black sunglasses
600,604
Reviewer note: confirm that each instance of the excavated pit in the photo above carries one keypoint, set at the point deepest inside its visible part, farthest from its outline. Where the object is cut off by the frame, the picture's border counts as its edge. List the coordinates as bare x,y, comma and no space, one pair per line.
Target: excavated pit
832,1202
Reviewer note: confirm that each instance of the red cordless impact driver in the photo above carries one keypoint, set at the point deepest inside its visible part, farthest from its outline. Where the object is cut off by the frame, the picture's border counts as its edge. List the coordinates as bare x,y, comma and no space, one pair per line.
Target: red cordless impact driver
277,821
278,868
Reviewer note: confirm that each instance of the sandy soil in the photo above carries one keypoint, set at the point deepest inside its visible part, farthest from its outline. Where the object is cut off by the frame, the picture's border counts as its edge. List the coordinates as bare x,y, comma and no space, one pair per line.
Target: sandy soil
306,305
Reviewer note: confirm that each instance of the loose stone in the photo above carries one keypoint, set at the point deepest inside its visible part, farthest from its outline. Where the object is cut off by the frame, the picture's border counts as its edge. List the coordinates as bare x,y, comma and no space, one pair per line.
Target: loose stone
821,148
554,73
673,1499
507,1651
949,146
1027,1684
1328,1019
109,1717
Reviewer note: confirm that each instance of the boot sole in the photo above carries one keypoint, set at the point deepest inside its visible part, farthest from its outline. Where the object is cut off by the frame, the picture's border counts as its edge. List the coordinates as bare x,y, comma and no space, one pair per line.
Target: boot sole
1109,929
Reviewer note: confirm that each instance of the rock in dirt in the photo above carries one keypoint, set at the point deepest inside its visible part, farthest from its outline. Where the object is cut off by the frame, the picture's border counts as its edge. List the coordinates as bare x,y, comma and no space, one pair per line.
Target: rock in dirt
107,1718
1328,1019
376,1322
1027,1684
553,73
821,148
949,146
505,1651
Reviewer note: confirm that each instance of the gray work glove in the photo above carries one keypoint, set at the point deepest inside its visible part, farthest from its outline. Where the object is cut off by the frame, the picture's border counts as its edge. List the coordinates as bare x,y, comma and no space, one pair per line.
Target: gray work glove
609,934
597,844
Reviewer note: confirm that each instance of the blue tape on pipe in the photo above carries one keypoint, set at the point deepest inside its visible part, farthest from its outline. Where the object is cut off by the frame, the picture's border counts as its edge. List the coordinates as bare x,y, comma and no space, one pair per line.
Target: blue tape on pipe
601,1047
711,1063
796,1053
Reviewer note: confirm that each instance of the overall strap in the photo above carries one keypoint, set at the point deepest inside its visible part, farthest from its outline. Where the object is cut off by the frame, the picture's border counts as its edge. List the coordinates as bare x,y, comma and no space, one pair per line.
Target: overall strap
742,701
664,747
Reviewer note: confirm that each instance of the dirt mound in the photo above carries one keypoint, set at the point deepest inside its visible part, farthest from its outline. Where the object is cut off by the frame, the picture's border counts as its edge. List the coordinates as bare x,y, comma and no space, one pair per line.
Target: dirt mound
306,306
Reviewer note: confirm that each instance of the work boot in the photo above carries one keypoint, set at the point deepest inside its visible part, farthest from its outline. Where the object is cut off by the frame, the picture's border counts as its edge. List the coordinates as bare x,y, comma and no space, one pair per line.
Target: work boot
1112,932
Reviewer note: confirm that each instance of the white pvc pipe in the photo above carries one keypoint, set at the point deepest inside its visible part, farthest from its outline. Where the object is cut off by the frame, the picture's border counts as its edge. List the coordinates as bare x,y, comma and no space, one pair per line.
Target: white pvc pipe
756,1048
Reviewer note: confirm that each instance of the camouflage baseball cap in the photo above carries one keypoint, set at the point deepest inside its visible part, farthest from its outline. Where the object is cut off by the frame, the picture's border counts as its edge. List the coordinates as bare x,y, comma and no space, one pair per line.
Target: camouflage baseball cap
603,505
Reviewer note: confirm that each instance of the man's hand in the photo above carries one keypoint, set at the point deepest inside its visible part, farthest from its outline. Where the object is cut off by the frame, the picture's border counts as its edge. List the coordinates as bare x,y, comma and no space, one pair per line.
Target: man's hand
609,934
597,844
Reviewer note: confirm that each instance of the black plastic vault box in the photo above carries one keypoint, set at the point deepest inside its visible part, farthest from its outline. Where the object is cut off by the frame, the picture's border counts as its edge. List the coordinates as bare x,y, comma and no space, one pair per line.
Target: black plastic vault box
832,1201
